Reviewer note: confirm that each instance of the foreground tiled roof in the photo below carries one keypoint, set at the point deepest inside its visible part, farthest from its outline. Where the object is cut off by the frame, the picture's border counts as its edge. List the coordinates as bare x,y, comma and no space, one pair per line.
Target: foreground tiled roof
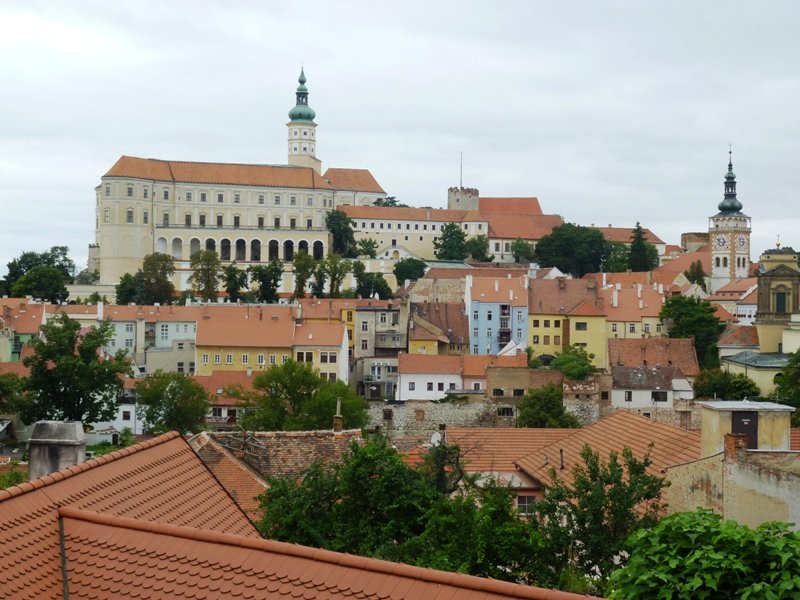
220,173
158,481
497,449
671,445
114,557
522,205
654,351
241,482
353,180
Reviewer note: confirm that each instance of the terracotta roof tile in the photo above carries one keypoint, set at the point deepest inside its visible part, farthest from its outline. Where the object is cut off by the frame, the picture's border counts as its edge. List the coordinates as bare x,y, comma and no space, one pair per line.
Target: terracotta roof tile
353,180
20,315
424,363
654,351
460,273
625,234
739,335
586,309
319,334
560,295
794,442
722,314
116,555
222,380
445,317
684,261
264,327
631,305
475,365
496,289
14,368
331,308
217,173
411,214
497,449
527,227
671,445
523,205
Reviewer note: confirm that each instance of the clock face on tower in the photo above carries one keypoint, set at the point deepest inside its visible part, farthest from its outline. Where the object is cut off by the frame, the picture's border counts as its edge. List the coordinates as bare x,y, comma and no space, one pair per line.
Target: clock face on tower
741,242
721,242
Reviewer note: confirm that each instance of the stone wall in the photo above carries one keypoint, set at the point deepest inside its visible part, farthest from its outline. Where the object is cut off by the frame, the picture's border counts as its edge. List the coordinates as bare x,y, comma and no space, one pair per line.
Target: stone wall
438,290
698,483
421,419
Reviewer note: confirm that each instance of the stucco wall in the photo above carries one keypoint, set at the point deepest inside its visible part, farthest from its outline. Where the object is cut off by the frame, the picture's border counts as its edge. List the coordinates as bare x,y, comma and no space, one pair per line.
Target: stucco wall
698,483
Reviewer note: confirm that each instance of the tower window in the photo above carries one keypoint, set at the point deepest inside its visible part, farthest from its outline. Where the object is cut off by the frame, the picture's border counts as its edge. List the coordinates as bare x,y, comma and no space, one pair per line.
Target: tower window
129,216
166,194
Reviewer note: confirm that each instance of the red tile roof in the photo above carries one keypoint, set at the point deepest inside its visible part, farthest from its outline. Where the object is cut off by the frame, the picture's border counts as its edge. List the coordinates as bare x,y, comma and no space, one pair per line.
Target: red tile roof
497,449
527,227
654,351
794,442
722,314
388,213
353,180
460,273
631,305
21,316
319,334
222,380
425,363
560,295
671,445
113,557
682,263
625,234
523,205
217,173
157,481
273,327
496,289
739,335
475,365
241,482
444,317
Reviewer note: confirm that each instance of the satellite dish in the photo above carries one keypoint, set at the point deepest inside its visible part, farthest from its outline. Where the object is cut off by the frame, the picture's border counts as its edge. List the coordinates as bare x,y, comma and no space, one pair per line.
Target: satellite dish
436,438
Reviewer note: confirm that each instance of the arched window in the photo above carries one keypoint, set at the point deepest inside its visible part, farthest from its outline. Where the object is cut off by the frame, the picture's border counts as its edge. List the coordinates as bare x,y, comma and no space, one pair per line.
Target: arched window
303,247
716,261
225,250
273,250
211,244
288,250
319,250
255,251
241,250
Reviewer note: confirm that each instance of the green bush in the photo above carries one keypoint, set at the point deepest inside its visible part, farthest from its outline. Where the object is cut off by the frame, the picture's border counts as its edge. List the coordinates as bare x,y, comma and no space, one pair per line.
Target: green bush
698,555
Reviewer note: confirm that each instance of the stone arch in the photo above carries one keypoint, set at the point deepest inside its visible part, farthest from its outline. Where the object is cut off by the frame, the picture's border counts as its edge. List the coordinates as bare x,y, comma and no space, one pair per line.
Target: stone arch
273,250
288,250
255,251
302,246
161,245
177,248
319,250
211,244
241,250
396,254
194,247
225,249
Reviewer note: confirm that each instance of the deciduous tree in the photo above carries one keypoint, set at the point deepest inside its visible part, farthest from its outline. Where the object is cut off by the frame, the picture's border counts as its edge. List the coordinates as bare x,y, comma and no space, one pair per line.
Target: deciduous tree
478,248
57,256
544,407
366,247
715,383
340,227
205,266
573,249
69,379
617,260
126,288
787,385
303,266
171,402
267,280
155,283
574,362
337,269
696,274
43,282
235,280
408,269
522,250
369,284
451,243
687,316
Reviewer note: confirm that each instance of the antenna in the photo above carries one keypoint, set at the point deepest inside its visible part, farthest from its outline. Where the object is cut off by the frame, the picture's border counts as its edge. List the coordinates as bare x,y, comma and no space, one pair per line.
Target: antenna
461,171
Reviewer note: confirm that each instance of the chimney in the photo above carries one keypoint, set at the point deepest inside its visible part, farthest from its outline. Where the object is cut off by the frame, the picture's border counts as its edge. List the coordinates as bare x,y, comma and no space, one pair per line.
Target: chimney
733,443
496,285
55,445
614,298
338,419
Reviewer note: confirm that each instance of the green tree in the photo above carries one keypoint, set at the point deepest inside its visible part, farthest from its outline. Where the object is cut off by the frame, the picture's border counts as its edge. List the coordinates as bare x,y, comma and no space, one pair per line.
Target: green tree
319,279
408,269
369,284
642,255
367,247
12,388
293,397
584,523
522,251
337,269
267,280
87,277
787,385
573,249
687,316
617,260
57,256
171,402
340,227
235,280
696,274
13,476
390,202
478,248
69,380
715,383
44,282
544,407
451,243
155,282
699,555
303,266
126,288
574,362
205,266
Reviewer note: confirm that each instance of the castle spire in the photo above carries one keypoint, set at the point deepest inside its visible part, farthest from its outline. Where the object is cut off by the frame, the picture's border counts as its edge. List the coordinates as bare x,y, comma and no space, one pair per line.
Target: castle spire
302,111
730,204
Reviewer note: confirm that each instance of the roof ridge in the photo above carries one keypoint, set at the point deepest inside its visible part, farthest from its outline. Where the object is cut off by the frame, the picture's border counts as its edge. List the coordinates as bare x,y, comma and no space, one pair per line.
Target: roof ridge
319,555
66,472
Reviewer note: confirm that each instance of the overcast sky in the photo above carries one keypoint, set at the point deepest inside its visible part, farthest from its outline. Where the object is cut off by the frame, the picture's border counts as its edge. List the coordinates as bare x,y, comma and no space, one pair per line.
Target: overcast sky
609,112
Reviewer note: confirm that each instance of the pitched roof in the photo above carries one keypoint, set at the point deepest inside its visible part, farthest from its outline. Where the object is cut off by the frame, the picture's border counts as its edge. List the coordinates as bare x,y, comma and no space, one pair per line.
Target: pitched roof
654,351
331,308
496,449
586,309
721,313
631,305
157,481
282,176
671,445
475,365
353,180
447,317
560,295
527,227
738,286
112,556
681,263
271,327
521,205
23,317
644,378
218,382
500,290
425,363
460,273
241,482
400,213
319,334
739,335
624,234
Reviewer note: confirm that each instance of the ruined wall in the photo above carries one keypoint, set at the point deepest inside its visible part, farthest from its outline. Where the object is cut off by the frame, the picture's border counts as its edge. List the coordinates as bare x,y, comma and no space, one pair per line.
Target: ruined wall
419,418
698,483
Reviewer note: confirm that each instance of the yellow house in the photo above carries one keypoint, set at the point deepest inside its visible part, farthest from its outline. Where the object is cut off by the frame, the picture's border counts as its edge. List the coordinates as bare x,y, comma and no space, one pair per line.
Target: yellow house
587,328
324,345
632,312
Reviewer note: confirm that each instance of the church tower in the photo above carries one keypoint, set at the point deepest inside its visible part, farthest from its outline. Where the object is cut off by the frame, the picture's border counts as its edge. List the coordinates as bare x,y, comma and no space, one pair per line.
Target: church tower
302,130
729,235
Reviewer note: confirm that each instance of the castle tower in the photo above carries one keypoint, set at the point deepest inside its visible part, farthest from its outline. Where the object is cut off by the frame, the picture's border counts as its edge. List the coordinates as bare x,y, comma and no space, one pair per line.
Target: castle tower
302,130
461,198
729,236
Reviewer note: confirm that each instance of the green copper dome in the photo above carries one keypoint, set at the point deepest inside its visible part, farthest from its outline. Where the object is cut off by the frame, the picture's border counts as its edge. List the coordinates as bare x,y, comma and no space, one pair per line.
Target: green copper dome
302,111
730,205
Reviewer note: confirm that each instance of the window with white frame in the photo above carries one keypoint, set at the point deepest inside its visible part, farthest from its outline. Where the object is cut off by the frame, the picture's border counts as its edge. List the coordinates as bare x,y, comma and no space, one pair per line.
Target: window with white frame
164,331
204,359
229,359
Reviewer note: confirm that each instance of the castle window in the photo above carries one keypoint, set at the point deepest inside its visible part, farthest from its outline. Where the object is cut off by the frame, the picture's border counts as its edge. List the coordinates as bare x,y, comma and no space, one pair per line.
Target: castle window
107,215
188,220
724,261
293,200
261,222
130,191
108,190
261,198
236,198
145,192
277,200
219,220
188,196
166,220
716,261
219,197
202,220
129,215
202,196
166,194
145,217
309,201
236,221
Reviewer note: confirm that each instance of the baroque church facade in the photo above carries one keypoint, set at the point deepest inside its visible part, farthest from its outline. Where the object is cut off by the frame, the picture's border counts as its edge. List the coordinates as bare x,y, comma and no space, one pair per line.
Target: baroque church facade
247,213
